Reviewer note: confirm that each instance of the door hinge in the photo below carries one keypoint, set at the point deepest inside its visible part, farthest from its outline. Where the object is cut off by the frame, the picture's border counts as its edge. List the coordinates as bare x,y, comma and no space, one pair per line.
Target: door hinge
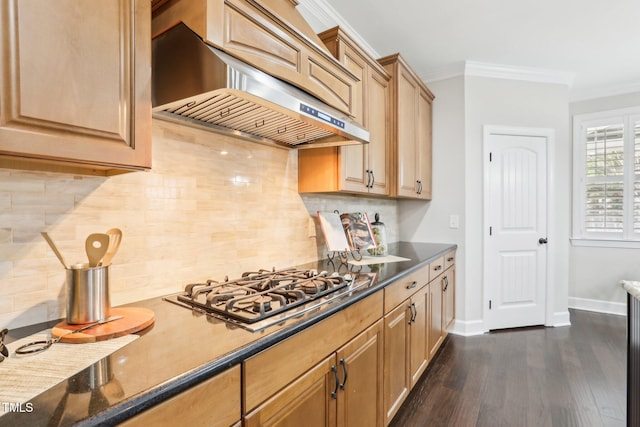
489,304
490,231
490,156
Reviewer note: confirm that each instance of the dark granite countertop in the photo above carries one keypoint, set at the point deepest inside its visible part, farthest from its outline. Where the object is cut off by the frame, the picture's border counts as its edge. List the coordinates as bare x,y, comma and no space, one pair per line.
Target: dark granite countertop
179,350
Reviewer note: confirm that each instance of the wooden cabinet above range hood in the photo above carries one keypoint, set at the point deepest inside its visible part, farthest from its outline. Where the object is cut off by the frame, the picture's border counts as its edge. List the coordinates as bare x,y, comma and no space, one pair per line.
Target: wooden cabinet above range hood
269,35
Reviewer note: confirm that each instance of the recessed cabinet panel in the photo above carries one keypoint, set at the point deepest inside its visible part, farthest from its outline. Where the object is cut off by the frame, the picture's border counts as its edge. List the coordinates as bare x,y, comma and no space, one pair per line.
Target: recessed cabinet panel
57,61
378,125
244,35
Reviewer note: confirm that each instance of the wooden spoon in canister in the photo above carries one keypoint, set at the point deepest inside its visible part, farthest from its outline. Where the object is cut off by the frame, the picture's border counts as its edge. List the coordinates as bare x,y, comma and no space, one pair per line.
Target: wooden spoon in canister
96,247
54,248
115,237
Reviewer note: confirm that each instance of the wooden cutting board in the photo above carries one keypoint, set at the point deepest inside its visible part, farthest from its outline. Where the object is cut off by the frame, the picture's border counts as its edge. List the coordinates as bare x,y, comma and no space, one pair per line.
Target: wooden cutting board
135,319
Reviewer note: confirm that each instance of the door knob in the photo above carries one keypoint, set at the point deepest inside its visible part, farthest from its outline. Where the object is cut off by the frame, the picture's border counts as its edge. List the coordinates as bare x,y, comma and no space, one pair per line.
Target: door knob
542,240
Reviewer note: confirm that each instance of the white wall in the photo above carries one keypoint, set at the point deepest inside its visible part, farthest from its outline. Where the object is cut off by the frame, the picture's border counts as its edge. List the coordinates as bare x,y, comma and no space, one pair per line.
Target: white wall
429,222
504,102
595,272
463,106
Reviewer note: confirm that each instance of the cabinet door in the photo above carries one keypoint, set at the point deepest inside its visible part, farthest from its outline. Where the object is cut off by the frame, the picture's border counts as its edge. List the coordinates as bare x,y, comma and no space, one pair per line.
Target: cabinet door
419,331
360,370
424,146
448,299
306,402
377,105
198,406
355,175
435,307
75,82
397,382
406,131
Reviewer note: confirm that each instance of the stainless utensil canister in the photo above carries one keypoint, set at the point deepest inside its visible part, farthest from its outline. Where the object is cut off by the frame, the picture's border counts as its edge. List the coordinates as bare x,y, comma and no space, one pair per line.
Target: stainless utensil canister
87,294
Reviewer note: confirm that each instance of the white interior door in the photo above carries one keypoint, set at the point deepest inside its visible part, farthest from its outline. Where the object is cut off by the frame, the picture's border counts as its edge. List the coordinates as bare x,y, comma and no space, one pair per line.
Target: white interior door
516,220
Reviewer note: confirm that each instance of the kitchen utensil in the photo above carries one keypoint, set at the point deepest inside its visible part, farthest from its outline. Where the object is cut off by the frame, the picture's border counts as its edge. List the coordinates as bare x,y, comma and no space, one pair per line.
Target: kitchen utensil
54,248
96,246
42,345
4,352
380,234
115,237
87,294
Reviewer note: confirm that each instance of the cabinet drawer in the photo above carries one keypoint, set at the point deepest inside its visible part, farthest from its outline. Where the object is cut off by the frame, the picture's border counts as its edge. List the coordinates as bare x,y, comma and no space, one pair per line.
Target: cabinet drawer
403,288
449,259
436,268
201,405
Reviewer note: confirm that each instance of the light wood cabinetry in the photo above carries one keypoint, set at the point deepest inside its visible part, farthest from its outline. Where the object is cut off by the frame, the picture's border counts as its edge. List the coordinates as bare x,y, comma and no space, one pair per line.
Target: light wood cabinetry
363,169
213,403
396,380
344,389
305,402
448,299
418,310
411,118
435,311
271,36
75,85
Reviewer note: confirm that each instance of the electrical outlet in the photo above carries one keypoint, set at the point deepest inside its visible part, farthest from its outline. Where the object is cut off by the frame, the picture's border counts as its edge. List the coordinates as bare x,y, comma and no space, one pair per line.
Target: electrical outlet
454,221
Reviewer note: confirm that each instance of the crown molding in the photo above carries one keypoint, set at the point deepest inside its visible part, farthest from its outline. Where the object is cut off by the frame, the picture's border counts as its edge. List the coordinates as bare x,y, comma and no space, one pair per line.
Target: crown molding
321,16
586,94
510,72
443,73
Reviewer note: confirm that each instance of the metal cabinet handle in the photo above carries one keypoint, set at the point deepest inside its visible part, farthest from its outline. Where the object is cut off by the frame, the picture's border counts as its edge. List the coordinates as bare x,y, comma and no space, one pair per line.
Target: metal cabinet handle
412,285
346,373
445,280
450,259
543,241
373,179
414,313
368,178
334,393
437,268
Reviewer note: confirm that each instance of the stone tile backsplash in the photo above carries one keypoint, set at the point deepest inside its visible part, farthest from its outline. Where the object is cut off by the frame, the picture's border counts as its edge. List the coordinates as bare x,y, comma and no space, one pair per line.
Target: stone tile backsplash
211,206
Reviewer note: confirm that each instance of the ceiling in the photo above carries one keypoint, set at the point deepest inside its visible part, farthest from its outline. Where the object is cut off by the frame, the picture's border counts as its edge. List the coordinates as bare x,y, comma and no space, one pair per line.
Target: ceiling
593,45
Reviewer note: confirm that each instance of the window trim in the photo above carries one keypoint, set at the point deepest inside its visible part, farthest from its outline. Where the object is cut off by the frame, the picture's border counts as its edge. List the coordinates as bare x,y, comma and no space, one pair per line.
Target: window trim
628,238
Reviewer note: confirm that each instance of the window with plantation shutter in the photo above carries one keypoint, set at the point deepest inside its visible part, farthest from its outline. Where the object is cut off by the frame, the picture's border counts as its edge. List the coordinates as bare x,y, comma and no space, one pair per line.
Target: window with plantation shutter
606,191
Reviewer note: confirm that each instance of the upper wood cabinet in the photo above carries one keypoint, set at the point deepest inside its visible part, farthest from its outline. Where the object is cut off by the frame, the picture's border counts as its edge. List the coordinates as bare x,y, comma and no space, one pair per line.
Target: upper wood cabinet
411,114
75,85
360,169
271,36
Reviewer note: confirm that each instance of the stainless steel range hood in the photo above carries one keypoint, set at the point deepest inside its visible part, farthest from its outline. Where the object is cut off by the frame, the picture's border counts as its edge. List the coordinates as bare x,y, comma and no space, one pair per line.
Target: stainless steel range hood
199,85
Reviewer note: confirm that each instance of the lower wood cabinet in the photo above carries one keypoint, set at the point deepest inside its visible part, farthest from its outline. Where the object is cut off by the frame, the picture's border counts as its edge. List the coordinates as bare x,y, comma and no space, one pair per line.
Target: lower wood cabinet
435,310
415,328
342,390
448,299
213,403
396,381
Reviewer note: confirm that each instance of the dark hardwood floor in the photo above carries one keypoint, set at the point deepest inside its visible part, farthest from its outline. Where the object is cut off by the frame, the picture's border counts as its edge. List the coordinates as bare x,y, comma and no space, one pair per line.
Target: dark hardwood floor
566,376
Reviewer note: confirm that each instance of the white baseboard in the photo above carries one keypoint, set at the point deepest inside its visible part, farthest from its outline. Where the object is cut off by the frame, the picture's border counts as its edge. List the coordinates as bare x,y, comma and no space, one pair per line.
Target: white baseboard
608,307
560,319
468,328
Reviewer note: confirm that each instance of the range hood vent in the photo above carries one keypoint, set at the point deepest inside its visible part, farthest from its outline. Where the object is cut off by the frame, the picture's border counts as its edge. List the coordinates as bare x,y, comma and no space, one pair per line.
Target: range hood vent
199,85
